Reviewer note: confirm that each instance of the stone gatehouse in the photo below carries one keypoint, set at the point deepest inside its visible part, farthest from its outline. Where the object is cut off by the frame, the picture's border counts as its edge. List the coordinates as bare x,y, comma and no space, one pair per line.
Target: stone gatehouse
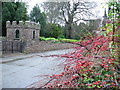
23,31
24,37
21,37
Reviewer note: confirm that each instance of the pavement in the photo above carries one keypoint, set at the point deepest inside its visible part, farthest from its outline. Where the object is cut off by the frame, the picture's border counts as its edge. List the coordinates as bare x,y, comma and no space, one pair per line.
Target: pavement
19,56
22,71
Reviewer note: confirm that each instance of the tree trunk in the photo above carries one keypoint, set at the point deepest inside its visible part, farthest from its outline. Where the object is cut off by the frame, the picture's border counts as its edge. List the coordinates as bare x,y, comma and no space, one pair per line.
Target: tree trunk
68,31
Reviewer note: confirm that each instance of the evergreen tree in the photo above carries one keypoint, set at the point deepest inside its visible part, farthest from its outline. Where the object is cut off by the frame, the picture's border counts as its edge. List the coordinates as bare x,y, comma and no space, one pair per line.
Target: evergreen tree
13,11
39,17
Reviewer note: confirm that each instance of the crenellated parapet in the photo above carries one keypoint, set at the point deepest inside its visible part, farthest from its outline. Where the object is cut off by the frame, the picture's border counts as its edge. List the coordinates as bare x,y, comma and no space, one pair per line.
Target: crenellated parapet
24,31
21,24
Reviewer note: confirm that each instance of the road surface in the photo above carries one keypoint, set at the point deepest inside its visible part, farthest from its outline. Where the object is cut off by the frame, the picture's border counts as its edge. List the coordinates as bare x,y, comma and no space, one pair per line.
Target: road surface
21,71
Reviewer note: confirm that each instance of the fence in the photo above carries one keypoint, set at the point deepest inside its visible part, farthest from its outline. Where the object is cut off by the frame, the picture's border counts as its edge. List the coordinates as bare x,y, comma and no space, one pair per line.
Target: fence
12,46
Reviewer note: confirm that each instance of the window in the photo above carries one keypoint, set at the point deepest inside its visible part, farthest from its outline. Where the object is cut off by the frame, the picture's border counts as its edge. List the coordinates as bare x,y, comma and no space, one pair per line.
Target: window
17,22
17,34
33,34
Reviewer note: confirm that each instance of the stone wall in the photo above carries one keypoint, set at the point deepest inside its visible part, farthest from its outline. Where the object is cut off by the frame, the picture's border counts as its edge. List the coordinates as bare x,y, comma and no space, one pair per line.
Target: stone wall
12,46
8,47
40,46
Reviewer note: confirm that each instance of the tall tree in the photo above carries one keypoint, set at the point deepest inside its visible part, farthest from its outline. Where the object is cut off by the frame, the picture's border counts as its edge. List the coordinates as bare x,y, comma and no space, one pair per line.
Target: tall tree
21,11
13,11
52,12
74,11
39,17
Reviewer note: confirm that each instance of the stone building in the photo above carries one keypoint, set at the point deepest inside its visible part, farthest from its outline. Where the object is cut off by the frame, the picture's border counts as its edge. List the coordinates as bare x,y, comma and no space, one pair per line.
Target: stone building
21,37
24,37
23,31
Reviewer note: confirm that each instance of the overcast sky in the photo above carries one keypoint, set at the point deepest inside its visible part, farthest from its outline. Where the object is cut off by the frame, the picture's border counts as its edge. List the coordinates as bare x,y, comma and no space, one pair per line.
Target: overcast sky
99,11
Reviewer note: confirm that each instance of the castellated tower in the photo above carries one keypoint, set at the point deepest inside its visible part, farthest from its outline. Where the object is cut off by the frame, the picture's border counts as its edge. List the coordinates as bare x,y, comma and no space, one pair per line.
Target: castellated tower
23,31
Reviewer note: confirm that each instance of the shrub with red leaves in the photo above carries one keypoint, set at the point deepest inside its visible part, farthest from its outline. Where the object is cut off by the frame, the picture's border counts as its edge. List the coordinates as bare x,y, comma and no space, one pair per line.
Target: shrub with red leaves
90,65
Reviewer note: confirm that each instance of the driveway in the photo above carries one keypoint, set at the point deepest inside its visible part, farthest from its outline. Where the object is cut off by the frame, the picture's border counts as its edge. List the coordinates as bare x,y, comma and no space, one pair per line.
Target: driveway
24,70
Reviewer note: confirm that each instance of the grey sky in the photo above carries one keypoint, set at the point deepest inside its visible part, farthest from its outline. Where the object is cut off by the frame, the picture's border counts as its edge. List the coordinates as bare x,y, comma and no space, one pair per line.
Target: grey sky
98,11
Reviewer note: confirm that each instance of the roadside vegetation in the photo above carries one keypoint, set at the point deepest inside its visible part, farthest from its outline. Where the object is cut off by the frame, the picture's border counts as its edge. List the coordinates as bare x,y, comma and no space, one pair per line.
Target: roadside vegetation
95,63
59,40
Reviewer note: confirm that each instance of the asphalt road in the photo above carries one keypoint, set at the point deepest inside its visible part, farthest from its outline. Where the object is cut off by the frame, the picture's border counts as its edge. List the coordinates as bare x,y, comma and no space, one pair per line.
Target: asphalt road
24,70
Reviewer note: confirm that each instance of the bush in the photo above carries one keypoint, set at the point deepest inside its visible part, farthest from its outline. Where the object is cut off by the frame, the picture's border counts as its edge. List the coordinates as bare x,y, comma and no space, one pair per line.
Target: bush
52,30
91,65
68,40
57,40
42,39
49,39
61,36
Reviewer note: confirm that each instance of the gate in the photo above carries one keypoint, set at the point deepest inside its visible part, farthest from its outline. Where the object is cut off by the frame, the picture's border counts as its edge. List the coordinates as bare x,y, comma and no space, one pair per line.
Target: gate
12,46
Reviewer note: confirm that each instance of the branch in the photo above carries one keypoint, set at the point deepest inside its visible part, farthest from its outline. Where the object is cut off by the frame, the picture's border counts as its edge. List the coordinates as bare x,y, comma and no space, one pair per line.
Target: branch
88,31
79,20
83,46
46,83
63,13
75,5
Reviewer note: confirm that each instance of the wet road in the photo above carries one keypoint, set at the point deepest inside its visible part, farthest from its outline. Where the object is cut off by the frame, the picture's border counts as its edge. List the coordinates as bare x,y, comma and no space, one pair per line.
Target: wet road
21,71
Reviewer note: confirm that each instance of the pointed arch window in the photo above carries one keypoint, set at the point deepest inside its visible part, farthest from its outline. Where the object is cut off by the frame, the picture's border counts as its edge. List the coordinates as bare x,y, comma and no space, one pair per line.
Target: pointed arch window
17,34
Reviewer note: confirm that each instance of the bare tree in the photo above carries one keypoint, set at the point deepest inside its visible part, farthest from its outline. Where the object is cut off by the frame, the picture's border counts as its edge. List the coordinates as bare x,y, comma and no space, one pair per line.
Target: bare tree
52,11
72,12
